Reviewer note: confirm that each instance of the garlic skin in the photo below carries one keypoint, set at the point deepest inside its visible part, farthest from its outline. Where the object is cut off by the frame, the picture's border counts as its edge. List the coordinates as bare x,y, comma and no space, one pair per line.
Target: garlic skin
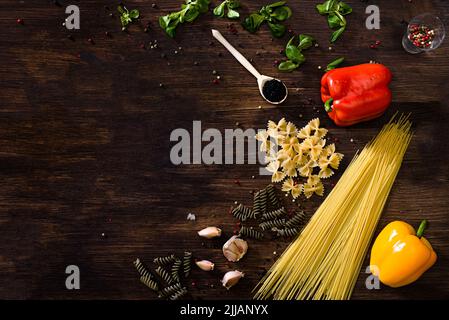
205,265
210,232
235,248
231,278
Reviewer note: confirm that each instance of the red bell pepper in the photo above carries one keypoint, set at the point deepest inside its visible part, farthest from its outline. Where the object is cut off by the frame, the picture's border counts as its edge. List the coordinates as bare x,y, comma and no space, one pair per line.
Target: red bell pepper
356,94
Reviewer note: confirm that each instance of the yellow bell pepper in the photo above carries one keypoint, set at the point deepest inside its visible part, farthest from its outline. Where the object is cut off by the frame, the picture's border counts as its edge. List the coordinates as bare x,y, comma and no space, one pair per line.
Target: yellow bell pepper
398,256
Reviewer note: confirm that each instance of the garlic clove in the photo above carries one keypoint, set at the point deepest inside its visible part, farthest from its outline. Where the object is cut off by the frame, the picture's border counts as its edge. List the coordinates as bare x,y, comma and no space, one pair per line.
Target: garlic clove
231,278
235,248
205,265
210,232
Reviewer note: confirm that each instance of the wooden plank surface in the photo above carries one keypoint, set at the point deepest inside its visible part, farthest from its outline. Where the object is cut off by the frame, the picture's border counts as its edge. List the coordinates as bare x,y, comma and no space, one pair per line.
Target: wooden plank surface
84,142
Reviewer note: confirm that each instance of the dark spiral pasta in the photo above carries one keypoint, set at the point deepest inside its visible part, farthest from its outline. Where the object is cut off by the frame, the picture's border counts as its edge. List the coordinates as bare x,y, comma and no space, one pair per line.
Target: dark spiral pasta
289,232
187,263
276,214
168,291
178,294
272,224
260,203
164,275
141,269
163,261
250,233
271,195
243,213
149,282
296,220
175,270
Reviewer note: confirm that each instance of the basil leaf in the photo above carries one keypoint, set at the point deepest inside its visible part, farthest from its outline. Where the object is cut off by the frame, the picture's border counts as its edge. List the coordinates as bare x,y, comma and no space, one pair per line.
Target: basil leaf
333,21
233,4
134,14
253,22
171,31
341,18
343,8
277,30
275,4
287,66
321,9
293,53
219,11
120,9
282,13
190,15
164,21
232,14
334,64
330,5
305,41
337,34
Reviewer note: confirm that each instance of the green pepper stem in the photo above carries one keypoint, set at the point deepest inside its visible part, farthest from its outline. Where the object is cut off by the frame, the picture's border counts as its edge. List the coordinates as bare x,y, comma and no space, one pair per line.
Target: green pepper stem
328,105
421,228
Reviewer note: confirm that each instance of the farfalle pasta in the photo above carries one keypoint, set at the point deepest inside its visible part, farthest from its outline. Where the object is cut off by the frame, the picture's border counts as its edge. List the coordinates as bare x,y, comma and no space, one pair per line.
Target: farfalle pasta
294,154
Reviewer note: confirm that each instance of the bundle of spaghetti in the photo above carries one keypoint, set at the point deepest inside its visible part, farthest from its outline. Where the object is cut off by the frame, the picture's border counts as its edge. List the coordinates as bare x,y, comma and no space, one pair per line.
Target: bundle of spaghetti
325,259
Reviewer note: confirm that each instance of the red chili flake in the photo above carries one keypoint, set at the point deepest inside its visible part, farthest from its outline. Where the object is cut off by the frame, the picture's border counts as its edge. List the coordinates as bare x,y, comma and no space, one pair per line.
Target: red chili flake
372,46
20,21
193,284
378,42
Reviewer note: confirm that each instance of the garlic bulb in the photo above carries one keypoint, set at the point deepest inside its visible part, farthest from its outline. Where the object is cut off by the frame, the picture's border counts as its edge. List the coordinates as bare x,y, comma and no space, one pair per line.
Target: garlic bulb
231,278
235,248
205,265
210,232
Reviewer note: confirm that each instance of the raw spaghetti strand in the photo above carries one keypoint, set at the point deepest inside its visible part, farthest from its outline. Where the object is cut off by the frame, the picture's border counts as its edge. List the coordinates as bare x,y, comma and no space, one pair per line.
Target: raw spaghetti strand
325,259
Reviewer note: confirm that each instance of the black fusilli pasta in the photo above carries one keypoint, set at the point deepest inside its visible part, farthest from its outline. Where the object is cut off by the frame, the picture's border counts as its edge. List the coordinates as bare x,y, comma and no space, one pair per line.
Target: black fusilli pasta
164,275
290,232
175,270
260,203
187,263
243,213
276,214
271,195
250,233
296,220
149,282
141,269
163,261
178,294
272,224
167,291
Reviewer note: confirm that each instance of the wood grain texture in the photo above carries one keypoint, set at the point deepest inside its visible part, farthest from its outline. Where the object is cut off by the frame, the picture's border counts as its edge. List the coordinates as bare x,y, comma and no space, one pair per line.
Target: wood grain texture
84,142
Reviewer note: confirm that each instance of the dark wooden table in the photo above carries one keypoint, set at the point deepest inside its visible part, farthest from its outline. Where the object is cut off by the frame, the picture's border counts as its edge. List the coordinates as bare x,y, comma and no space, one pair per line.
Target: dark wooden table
85,172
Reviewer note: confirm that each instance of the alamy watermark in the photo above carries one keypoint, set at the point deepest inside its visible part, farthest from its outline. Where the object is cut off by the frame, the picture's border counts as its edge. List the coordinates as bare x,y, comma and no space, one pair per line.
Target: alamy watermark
72,282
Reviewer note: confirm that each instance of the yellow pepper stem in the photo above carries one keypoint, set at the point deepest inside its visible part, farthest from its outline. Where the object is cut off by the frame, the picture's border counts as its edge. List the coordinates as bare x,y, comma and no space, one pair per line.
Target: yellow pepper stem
421,228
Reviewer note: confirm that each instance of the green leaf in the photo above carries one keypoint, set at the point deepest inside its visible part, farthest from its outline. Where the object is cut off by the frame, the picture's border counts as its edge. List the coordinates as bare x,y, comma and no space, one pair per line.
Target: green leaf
277,30
276,4
321,9
282,13
293,53
331,5
341,18
253,22
287,66
333,21
134,14
219,10
328,105
232,14
233,4
337,34
190,15
171,31
334,64
120,9
343,8
305,41
164,21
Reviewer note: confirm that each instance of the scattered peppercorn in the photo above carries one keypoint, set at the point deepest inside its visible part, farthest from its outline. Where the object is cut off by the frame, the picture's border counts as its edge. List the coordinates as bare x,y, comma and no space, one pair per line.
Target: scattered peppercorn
154,6
215,81
70,37
90,40
161,85
421,35
20,21
195,63
107,34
